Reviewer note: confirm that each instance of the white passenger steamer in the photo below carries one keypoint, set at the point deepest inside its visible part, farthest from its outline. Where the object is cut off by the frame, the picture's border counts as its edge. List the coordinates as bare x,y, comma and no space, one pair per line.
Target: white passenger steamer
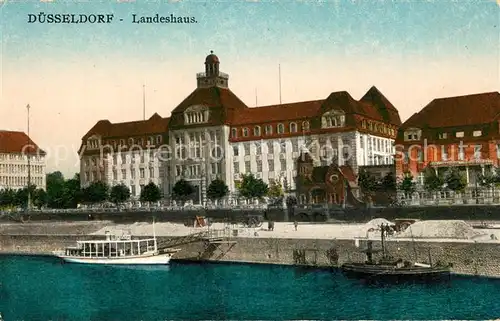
117,251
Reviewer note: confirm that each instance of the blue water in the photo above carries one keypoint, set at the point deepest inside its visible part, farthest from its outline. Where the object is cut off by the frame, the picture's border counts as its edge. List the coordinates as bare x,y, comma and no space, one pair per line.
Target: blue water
38,288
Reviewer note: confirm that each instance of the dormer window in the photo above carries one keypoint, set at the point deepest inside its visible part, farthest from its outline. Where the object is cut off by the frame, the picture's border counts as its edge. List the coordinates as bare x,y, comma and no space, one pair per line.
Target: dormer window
256,131
459,134
293,127
281,128
269,130
122,142
443,135
131,141
150,140
245,132
332,119
196,115
234,132
158,139
412,134
477,133
305,126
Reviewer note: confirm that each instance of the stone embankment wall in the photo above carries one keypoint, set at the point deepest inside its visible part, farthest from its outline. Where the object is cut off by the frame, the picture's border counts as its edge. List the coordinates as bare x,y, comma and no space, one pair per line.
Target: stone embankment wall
464,212
467,258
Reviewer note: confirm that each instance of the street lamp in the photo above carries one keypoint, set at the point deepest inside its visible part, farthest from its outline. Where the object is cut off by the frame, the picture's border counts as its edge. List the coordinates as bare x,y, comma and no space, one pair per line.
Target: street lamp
29,161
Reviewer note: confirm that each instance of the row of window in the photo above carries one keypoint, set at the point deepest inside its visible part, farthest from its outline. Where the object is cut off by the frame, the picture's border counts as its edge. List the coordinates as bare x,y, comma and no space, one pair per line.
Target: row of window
270,166
18,168
416,134
378,127
142,174
268,129
19,157
445,154
9,181
281,148
461,134
150,141
195,170
120,159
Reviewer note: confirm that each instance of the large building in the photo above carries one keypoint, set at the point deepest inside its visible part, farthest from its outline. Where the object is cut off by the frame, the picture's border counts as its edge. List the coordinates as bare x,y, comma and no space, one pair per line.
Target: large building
212,133
15,148
462,132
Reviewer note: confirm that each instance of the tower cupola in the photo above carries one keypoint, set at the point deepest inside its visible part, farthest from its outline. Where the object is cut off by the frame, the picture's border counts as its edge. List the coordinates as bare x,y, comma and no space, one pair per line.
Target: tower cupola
212,76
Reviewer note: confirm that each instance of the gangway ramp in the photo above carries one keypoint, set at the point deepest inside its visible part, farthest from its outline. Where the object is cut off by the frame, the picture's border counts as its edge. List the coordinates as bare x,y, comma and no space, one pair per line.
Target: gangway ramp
210,236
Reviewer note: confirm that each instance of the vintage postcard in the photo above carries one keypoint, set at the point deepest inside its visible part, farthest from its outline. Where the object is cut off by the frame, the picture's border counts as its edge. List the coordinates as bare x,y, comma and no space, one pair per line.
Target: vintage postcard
249,160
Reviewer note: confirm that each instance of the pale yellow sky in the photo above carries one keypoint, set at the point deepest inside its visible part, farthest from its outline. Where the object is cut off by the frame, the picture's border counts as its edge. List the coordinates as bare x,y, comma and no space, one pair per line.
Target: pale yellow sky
68,98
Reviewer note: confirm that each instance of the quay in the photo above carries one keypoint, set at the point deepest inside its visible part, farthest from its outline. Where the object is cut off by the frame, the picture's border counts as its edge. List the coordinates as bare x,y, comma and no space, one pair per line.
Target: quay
315,245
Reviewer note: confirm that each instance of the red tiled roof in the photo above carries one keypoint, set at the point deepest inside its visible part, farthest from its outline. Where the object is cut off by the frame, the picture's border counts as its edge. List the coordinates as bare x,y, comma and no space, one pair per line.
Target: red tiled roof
154,125
212,97
284,112
385,108
467,110
373,105
17,142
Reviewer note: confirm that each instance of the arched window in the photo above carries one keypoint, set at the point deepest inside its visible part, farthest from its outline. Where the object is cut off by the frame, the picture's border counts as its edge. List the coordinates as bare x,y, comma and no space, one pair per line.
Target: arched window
234,132
269,130
131,141
333,118
305,126
281,128
293,127
245,132
158,139
256,131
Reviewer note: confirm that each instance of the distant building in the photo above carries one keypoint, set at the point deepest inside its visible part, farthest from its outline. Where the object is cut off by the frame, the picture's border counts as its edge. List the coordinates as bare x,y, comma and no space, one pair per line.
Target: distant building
212,133
15,147
461,132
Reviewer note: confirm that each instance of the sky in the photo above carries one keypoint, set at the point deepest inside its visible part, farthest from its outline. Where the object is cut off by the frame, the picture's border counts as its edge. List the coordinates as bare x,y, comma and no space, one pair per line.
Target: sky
73,75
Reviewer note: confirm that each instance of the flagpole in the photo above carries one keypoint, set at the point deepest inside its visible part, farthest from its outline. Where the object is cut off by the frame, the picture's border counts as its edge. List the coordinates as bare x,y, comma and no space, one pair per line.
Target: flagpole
144,102
279,76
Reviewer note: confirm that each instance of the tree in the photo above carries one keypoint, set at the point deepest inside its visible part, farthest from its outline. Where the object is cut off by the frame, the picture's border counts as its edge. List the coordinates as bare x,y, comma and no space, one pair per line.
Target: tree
72,192
388,183
455,180
275,189
252,187
217,189
367,183
151,193
7,197
55,190
96,192
432,182
182,190
40,198
119,194
487,179
407,185
21,196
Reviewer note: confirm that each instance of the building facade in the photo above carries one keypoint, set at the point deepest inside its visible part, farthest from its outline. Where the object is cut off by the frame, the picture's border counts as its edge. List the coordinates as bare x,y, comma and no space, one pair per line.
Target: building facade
212,133
16,171
455,132
127,153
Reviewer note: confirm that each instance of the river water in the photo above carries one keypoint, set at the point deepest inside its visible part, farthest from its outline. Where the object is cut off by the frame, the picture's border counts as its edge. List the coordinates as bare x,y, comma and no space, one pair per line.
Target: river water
41,288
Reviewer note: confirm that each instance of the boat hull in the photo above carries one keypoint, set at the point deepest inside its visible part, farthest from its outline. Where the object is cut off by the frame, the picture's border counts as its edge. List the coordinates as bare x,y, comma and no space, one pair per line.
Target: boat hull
159,259
389,273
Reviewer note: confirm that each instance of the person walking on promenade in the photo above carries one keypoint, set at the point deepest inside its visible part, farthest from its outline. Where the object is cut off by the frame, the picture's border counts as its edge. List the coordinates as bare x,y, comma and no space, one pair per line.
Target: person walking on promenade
295,224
